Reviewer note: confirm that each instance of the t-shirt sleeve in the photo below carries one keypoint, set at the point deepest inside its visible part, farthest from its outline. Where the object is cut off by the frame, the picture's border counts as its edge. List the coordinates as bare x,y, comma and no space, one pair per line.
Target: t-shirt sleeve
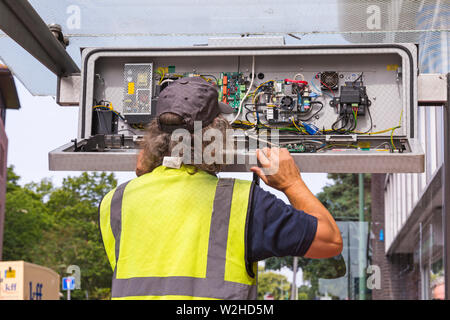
276,229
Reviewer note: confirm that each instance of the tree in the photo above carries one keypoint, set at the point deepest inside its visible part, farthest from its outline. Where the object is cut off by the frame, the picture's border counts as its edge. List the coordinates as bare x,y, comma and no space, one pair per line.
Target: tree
75,238
273,283
12,180
342,197
58,227
306,293
26,219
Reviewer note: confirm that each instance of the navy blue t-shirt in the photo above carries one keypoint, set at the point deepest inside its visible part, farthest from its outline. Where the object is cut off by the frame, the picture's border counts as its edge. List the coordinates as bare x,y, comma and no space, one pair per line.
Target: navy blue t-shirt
276,229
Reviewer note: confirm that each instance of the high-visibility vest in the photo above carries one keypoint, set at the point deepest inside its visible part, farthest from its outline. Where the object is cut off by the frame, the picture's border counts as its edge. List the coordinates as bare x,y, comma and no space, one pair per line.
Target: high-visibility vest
178,234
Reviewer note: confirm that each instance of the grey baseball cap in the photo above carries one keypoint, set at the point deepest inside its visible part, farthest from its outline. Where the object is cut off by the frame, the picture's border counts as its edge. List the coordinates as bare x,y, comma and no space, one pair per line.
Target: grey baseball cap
193,99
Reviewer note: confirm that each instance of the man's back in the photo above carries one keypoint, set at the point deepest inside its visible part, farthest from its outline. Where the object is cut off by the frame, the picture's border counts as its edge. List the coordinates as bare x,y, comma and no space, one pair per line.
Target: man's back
174,223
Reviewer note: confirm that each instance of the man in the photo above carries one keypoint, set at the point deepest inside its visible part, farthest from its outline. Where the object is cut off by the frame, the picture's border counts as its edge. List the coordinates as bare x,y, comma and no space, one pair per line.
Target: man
438,288
179,232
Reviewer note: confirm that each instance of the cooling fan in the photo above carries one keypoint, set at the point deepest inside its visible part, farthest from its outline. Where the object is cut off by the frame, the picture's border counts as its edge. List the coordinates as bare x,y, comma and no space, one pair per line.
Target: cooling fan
329,80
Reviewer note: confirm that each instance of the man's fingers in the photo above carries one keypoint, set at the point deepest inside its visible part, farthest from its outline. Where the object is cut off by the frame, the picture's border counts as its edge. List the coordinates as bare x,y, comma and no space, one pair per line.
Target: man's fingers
274,154
285,153
263,158
260,173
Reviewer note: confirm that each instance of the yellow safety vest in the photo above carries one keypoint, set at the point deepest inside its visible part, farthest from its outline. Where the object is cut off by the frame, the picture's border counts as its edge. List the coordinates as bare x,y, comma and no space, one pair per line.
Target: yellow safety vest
178,234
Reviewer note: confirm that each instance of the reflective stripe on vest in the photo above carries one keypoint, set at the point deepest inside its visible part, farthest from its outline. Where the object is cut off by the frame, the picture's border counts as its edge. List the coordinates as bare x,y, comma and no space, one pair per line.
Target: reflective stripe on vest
213,285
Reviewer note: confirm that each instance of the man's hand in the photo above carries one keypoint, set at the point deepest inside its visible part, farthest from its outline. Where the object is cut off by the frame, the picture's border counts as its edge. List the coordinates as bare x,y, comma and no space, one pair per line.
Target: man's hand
278,170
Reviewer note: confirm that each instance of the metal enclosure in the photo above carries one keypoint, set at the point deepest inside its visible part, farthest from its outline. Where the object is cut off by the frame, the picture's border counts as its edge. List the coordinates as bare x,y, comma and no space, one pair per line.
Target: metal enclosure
390,79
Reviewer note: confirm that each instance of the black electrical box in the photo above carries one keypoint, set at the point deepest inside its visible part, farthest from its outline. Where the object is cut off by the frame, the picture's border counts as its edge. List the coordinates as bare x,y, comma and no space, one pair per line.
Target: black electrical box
353,97
104,122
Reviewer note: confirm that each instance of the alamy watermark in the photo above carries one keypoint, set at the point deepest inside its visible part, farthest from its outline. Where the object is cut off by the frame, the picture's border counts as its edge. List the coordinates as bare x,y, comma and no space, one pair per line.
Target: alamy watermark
213,146
374,280
74,271
373,21
73,21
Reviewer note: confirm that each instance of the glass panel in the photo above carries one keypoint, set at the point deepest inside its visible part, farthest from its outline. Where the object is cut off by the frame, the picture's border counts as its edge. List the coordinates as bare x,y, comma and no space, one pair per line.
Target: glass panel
171,23
431,259
437,284
352,285
180,23
340,278
34,75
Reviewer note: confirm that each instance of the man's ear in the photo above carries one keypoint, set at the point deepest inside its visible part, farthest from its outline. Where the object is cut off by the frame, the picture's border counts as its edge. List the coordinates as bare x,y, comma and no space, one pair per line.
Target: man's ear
140,169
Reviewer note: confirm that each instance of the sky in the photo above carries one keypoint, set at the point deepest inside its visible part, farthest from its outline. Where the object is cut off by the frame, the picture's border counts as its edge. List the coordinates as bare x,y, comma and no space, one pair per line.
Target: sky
39,127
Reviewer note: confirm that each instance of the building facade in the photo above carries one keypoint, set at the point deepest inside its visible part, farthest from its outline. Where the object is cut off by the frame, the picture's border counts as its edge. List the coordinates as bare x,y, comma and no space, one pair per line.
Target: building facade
407,240
8,100
412,203
3,157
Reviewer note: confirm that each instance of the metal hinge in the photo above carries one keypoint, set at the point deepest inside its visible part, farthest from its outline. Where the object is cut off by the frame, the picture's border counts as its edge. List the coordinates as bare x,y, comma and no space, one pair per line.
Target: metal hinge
69,89
431,89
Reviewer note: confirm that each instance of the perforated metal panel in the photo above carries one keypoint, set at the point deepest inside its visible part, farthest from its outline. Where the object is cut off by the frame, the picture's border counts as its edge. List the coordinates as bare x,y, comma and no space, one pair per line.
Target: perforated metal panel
300,22
137,88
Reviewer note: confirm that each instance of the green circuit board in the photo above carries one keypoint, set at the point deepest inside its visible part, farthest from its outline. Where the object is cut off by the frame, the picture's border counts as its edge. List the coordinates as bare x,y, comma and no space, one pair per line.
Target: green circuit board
232,88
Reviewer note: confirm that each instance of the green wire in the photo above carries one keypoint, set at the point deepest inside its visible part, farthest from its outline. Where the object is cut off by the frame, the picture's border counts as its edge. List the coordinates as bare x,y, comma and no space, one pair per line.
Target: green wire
395,128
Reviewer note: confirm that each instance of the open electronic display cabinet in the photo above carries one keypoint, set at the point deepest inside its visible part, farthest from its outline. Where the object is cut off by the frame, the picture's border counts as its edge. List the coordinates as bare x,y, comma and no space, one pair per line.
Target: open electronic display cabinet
341,109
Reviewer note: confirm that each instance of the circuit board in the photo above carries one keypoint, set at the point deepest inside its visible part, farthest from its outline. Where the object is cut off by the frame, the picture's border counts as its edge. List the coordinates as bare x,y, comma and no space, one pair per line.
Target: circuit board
285,103
308,110
232,87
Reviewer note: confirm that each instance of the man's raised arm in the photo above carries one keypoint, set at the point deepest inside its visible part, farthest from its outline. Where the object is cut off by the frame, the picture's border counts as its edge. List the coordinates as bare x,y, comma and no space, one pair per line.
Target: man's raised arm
278,170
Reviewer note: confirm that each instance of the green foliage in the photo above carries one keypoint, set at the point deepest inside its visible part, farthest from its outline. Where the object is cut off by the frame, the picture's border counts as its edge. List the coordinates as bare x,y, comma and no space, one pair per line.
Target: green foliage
26,219
303,296
306,293
58,226
342,197
273,283
12,180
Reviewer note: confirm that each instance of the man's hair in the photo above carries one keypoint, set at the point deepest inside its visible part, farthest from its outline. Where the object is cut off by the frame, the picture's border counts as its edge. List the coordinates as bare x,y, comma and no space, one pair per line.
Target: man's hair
438,281
157,144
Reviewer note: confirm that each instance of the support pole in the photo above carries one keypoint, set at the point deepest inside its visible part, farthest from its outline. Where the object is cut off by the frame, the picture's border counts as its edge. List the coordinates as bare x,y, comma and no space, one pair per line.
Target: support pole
361,247
294,279
349,266
446,192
